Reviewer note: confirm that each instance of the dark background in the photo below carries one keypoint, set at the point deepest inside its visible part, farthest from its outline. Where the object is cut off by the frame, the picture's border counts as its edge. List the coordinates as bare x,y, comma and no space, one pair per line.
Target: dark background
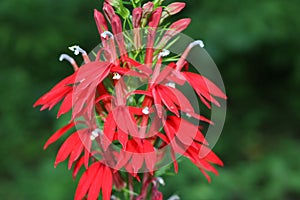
256,47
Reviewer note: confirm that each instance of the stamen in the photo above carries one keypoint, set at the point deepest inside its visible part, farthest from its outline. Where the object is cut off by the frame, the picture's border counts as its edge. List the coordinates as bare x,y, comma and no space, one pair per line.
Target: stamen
76,49
197,42
66,57
146,111
163,53
160,180
69,59
95,134
188,115
116,76
171,84
182,59
107,33
174,197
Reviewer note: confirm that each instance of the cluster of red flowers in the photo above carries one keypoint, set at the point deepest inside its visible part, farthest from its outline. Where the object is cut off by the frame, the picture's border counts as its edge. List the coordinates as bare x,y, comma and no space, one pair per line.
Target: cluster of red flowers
118,129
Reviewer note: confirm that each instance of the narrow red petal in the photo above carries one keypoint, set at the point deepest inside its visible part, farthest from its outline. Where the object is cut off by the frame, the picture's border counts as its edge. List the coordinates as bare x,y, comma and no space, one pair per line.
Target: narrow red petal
96,185
86,181
58,134
107,185
66,148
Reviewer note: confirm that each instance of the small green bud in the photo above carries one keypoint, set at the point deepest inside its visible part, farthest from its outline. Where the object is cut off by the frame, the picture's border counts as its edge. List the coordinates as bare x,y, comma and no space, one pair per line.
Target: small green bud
123,11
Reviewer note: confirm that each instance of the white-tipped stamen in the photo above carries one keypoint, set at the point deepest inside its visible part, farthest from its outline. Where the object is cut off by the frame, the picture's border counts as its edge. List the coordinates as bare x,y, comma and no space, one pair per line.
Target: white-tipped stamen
174,197
107,33
66,57
116,76
69,59
77,50
163,53
113,197
95,134
196,43
188,115
160,180
182,59
171,84
146,111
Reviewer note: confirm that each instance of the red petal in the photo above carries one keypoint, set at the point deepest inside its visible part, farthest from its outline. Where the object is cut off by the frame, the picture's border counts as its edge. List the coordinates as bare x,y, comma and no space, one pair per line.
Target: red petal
67,147
157,102
58,134
109,130
90,75
107,185
95,187
150,155
77,167
75,153
66,105
86,181
168,102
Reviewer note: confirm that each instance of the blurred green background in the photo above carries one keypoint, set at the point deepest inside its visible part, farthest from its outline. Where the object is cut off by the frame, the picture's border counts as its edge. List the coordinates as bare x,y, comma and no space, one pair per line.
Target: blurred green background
256,47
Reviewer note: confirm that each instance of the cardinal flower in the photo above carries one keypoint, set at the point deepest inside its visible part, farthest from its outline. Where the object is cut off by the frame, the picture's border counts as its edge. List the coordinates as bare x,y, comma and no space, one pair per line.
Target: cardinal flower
128,113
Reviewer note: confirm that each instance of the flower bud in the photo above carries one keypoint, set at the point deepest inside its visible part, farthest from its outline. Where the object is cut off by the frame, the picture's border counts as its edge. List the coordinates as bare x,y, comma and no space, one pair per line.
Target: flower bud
147,10
136,17
172,9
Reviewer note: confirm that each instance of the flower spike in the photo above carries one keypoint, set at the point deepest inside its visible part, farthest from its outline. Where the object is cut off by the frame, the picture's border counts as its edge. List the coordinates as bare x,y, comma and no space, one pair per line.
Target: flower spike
69,59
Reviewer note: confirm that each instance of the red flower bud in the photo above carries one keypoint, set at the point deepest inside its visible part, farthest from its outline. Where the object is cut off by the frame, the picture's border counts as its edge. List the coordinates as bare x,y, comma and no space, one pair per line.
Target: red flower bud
174,29
174,8
100,21
108,11
136,17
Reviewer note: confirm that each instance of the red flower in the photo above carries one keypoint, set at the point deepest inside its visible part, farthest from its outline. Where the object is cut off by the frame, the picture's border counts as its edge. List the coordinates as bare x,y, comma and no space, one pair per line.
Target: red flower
119,129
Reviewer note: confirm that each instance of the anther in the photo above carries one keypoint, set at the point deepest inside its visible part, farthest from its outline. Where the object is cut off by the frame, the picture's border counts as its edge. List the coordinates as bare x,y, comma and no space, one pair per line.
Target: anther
163,53
107,33
146,111
116,76
196,43
77,50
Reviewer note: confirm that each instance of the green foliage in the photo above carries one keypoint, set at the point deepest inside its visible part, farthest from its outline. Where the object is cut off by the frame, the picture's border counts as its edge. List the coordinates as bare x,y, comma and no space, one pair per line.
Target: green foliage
255,45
